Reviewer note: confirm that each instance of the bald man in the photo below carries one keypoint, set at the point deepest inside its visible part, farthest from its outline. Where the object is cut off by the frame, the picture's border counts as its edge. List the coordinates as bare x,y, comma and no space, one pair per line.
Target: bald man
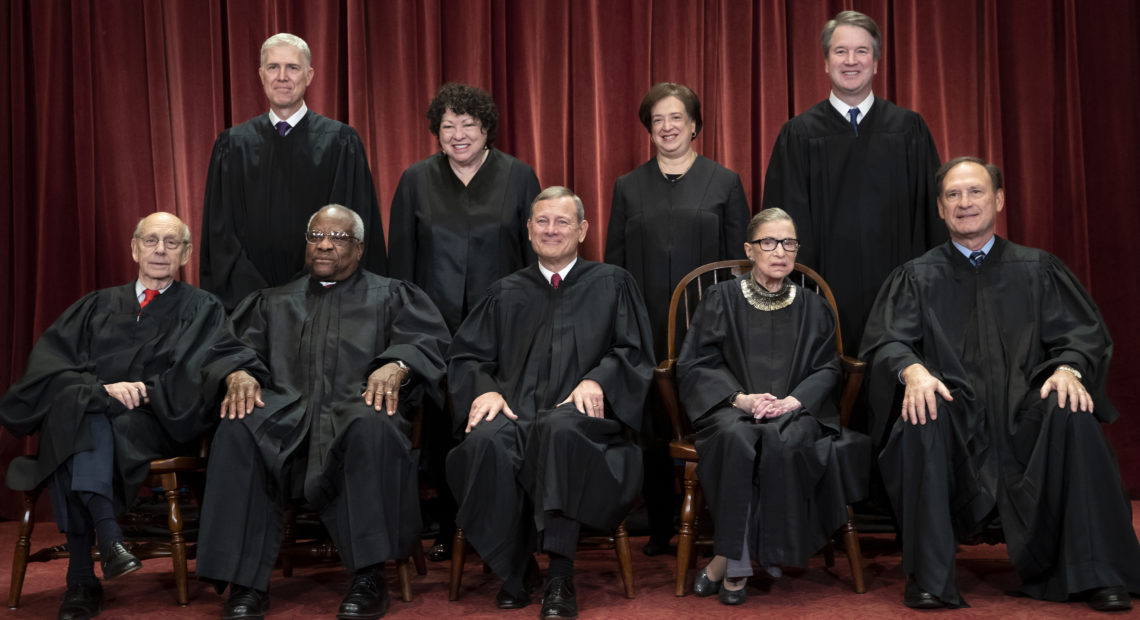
110,386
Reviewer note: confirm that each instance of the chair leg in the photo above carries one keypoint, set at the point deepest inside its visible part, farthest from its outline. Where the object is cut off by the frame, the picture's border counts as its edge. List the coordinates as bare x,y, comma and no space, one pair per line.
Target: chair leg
625,559
458,557
687,532
23,544
418,558
405,580
177,541
854,552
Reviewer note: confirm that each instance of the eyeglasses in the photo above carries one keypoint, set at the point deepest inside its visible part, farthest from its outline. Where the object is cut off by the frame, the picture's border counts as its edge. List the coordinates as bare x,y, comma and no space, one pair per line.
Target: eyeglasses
152,242
339,239
768,244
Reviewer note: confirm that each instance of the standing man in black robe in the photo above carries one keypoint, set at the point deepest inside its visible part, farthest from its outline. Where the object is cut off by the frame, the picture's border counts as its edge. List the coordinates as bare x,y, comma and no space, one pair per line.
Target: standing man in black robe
856,173
270,173
1004,356
112,385
552,368
320,379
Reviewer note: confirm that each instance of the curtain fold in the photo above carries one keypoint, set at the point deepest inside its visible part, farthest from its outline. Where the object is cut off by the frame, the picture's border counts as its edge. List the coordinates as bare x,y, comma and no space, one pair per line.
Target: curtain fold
110,109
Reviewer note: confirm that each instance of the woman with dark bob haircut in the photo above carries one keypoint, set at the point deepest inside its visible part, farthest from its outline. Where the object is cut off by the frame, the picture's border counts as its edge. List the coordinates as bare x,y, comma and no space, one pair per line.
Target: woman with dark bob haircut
673,213
458,224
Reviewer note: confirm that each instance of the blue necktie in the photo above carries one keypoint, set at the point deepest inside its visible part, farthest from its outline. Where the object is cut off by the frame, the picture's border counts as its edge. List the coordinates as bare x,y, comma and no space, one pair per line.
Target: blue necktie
854,114
976,257
282,128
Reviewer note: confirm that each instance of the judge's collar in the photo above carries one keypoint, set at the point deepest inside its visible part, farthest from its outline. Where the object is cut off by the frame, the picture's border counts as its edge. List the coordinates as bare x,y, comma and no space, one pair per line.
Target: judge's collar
292,120
841,107
139,288
546,273
966,251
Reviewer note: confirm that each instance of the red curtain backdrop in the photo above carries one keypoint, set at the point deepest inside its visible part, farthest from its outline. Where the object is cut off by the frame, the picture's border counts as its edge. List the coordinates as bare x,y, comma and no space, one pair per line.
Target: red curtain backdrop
109,110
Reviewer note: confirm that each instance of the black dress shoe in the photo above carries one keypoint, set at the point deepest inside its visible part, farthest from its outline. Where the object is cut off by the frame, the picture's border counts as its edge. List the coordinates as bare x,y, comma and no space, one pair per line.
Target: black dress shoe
733,597
81,601
703,586
917,598
439,552
1115,598
245,603
560,602
367,599
117,561
506,600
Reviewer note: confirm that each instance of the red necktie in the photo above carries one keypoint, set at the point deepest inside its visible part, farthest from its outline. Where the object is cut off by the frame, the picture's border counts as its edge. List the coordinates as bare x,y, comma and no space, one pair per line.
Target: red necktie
148,295
555,280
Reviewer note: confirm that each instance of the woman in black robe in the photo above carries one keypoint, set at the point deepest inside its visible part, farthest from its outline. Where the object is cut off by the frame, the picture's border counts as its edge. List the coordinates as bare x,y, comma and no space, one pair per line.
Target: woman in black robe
669,216
458,225
758,376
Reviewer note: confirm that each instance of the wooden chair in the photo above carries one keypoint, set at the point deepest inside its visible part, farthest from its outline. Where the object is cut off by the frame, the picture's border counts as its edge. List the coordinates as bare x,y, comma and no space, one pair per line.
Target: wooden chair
164,473
686,297
321,547
619,542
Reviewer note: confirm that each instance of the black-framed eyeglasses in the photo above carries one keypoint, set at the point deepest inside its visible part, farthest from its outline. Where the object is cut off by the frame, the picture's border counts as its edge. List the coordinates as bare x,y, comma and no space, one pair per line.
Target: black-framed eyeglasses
339,239
152,242
769,243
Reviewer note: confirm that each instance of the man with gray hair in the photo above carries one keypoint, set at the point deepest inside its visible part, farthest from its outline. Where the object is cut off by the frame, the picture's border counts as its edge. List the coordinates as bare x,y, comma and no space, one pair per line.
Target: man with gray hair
856,173
268,174
551,367
317,381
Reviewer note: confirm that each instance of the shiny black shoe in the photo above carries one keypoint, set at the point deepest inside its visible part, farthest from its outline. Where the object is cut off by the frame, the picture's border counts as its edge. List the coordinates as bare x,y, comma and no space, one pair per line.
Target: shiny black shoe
367,599
117,561
733,597
560,601
81,601
439,552
1115,598
703,586
245,603
506,600
917,598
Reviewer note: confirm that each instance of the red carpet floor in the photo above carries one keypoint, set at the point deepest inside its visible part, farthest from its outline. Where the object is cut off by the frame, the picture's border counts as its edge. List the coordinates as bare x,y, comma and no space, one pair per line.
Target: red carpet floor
985,575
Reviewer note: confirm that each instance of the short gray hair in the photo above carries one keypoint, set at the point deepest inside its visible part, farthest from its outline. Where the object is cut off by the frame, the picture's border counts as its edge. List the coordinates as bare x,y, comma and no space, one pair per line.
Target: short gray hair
185,229
292,40
357,223
557,191
852,18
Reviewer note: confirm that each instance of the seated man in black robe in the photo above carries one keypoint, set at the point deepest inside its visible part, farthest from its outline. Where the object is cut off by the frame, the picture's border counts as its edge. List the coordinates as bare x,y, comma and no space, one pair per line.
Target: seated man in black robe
268,174
110,386
552,368
1004,357
320,379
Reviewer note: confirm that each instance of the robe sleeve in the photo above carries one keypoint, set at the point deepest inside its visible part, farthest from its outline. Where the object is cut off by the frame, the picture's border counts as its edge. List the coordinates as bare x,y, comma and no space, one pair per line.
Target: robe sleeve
736,217
1073,332
353,187
58,363
417,336
816,388
174,393
615,230
237,349
787,186
625,371
402,229
891,342
703,375
473,358
224,268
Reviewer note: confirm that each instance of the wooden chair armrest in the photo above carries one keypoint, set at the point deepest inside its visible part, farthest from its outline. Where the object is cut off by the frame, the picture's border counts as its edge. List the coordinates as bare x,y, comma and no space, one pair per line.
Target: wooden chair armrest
665,377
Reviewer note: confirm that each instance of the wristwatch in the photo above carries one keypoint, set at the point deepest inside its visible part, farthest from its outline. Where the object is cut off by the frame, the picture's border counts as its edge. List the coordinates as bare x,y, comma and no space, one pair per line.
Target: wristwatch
1069,369
403,366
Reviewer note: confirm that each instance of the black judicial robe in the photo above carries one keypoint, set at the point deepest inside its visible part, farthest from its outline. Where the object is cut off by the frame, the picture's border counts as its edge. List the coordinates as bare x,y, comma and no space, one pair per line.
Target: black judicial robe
661,230
862,205
260,192
992,336
105,338
792,478
312,350
533,344
455,240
